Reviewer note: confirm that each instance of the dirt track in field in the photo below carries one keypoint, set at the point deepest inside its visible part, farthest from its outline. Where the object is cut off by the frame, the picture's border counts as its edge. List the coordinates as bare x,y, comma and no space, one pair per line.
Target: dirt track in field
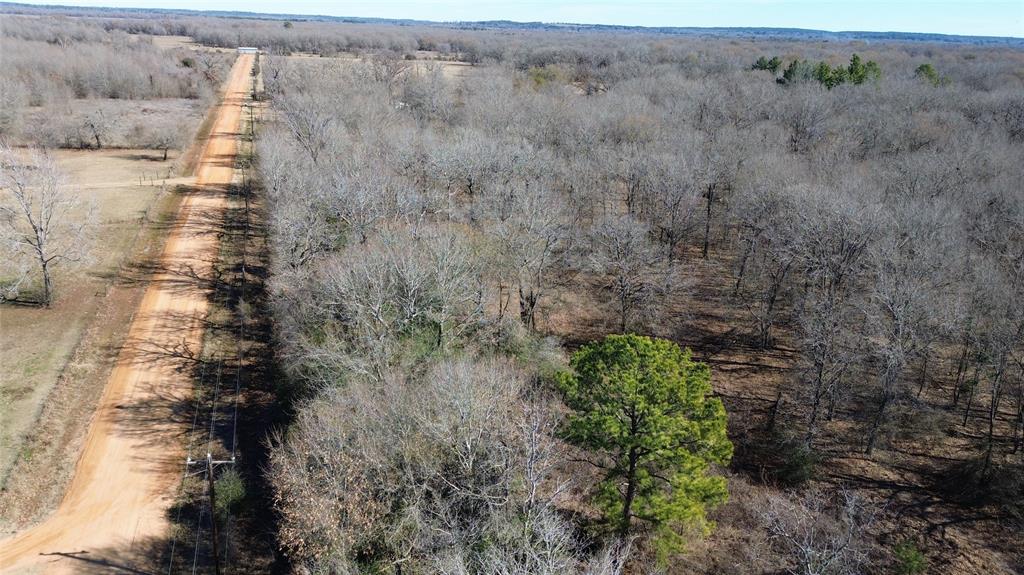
131,461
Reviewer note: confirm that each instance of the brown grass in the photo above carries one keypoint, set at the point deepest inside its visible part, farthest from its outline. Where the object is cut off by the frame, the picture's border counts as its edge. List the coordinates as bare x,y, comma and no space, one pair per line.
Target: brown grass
56,360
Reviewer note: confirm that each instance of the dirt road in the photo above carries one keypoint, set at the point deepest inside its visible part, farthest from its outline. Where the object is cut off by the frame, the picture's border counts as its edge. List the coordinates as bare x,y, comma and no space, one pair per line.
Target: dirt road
132,459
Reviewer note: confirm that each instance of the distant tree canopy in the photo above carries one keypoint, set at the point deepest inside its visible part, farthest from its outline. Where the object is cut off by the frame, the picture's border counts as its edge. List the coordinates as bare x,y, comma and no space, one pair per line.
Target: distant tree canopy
643,405
857,72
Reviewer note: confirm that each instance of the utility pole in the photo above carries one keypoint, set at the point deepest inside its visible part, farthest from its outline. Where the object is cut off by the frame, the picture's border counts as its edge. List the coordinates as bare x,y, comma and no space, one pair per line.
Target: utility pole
210,462
213,514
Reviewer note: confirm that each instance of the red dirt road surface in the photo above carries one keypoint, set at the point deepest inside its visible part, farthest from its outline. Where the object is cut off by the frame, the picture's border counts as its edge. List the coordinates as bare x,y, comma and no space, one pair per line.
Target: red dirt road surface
132,457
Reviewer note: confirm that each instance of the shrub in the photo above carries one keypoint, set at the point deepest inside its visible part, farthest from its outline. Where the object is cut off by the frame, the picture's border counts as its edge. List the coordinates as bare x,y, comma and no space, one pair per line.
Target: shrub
543,75
909,559
230,493
797,463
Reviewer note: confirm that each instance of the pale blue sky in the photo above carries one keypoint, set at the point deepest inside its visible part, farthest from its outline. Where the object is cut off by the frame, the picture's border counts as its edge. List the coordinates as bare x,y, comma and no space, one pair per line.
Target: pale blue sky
973,17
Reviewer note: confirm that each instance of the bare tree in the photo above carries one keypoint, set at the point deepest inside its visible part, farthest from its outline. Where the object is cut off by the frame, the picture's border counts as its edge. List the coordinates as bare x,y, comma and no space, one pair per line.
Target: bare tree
823,536
911,265
308,120
387,68
15,273
999,331
13,98
529,228
769,234
420,473
622,252
830,349
398,285
674,204
717,163
97,125
161,135
40,215
832,238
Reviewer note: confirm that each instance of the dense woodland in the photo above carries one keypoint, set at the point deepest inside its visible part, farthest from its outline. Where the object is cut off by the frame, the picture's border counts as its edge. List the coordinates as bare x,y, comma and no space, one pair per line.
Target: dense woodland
435,236
833,228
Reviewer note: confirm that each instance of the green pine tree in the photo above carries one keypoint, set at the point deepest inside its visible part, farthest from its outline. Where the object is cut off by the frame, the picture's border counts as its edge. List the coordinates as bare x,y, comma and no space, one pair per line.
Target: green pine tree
872,71
928,72
823,74
856,71
642,404
764,63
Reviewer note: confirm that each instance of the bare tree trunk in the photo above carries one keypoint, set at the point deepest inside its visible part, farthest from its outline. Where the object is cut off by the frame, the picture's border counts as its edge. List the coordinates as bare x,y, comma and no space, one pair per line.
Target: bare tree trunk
743,267
627,504
924,373
772,298
877,423
773,415
707,221
832,401
961,371
623,307
993,411
47,282
528,307
1018,428
815,407
502,301
970,396
888,381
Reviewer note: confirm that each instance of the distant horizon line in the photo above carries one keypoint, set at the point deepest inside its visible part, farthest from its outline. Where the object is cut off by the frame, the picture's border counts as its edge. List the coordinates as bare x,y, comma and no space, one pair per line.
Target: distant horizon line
384,19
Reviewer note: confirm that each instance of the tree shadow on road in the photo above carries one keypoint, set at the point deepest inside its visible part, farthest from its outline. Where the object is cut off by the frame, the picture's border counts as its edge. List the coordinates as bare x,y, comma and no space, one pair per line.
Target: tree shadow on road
142,558
235,354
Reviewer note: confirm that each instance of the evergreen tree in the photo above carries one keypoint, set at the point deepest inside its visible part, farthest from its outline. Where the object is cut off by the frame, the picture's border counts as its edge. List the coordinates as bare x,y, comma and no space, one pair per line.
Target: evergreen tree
927,71
771,65
857,70
860,72
824,74
642,404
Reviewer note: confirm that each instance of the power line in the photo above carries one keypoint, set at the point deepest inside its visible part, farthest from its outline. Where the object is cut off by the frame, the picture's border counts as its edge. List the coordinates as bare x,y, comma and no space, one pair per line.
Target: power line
184,475
213,407
209,464
199,530
240,353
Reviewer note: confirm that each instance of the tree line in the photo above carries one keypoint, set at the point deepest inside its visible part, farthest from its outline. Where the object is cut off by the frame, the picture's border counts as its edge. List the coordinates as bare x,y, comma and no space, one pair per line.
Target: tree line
857,72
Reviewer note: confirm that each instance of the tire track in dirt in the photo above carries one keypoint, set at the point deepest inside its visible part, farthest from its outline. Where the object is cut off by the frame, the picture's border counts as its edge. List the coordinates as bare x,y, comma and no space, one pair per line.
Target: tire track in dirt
132,457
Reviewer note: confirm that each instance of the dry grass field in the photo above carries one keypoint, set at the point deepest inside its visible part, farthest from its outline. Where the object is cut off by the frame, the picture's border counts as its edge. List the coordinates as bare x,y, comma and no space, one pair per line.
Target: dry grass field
39,345
424,62
171,42
175,42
